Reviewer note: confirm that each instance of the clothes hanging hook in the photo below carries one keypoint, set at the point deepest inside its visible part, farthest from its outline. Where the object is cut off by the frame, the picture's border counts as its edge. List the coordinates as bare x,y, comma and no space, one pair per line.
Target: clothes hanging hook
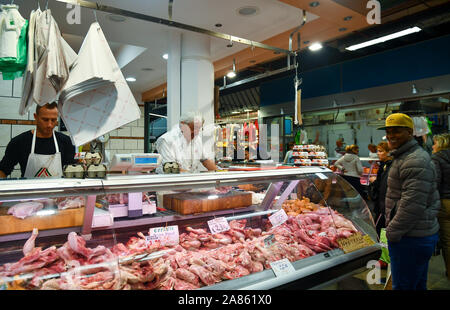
95,16
39,5
46,5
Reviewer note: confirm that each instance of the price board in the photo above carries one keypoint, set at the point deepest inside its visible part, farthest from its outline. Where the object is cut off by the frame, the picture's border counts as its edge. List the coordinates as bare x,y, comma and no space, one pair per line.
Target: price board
278,218
168,235
282,267
354,242
218,225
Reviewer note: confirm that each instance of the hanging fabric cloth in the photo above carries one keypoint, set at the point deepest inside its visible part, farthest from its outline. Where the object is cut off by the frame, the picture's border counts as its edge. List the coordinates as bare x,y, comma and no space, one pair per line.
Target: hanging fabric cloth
13,42
96,98
50,59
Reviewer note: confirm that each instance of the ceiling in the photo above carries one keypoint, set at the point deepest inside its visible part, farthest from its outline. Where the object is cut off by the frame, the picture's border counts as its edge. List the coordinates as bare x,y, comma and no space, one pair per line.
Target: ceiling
139,45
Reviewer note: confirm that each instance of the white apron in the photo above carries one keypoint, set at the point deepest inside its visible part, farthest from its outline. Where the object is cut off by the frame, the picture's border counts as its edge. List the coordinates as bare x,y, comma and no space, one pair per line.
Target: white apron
44,166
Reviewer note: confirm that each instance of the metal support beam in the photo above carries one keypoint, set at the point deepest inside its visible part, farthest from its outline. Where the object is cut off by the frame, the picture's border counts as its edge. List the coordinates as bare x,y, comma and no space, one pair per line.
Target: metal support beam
170,23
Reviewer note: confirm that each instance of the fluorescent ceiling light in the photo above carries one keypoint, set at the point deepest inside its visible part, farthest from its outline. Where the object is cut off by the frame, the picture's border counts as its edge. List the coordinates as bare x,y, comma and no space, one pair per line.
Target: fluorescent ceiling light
131,79
231,74
165,56
315,47
384,39
235,112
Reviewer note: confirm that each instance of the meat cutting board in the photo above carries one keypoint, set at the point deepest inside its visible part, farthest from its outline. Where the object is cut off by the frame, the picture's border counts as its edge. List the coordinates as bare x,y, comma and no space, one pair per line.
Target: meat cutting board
61,219
190,203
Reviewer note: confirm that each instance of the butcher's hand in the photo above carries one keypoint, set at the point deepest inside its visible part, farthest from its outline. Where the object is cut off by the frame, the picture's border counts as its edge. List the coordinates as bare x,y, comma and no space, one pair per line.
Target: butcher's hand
209,164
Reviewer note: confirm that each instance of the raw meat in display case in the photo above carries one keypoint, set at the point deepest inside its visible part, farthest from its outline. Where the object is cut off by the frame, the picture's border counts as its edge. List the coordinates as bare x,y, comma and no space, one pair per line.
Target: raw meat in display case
200,258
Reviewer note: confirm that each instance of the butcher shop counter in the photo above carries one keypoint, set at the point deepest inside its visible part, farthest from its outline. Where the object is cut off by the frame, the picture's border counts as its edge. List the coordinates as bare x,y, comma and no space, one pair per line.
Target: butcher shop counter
266,229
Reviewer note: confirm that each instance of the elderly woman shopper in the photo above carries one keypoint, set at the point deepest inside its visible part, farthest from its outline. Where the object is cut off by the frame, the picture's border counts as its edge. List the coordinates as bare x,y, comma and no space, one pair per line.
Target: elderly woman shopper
441,159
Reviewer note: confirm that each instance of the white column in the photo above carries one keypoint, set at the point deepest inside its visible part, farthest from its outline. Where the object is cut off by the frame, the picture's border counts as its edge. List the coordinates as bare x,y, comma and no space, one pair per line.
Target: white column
174,80
197,76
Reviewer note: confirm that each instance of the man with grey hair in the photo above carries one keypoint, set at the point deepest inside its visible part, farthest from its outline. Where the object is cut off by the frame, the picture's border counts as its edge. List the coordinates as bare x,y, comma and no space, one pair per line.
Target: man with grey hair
183,145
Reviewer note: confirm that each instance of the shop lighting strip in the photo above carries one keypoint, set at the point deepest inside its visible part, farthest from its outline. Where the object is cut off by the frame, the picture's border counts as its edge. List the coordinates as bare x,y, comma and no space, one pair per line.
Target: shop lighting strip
170,23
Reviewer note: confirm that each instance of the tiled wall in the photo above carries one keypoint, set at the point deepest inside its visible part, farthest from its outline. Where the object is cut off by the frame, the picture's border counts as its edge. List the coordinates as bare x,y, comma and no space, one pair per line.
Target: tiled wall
127,139
11,123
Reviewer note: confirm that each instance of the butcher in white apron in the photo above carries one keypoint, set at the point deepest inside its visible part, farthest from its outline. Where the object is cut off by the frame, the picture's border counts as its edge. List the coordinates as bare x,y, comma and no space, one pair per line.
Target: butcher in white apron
183,145
44,166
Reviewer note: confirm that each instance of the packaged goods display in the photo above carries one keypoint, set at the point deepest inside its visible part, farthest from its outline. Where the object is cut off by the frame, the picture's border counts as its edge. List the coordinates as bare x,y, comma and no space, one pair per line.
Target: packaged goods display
309,155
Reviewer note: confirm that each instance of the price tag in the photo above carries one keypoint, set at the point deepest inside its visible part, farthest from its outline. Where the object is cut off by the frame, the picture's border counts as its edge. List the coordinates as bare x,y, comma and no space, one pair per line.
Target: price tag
269,241
278,218
282,267
354,242
168,236
218,225
322,176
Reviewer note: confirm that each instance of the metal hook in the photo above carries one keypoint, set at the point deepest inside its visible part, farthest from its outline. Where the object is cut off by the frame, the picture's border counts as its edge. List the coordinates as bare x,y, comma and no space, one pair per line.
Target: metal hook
46,5
39,5
95,16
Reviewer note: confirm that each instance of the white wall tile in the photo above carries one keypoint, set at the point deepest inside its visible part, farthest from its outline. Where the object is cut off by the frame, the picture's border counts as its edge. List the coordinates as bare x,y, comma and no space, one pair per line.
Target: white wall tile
5,134
115,144
122,151
9,109
133,124
140,145
124,132
130,144
5,87
17,87
18,129
141,122
2,151
137,132
113,133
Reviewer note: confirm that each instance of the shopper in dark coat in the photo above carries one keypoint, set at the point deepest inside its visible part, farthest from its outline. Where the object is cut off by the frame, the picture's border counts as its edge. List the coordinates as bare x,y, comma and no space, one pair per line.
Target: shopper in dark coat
441,159
379,186
412,204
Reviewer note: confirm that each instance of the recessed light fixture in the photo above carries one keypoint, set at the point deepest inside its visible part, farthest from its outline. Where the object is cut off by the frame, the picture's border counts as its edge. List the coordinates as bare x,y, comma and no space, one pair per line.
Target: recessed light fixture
235,112
165,56
218,25
276,52
314,4
116,18
347,18
131,79
315,46
384,38
252,61
147,69
248,10
306,42
231,74
342,29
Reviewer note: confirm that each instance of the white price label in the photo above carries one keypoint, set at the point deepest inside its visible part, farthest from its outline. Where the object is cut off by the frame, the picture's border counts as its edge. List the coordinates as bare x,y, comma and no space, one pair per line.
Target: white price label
278,218
322,176
168,236
269,241
218,225
282,267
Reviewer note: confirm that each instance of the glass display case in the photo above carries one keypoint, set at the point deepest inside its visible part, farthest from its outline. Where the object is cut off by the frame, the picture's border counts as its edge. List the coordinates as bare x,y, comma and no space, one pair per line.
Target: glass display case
232,230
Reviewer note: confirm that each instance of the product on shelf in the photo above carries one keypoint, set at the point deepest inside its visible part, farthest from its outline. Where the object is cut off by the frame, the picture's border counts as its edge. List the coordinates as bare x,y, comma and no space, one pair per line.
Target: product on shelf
309,155
200,258
297,206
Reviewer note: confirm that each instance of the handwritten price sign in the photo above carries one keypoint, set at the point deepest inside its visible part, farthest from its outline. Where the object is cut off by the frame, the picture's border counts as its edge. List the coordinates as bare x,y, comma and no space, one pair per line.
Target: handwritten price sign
218,225
282,267
278,218
168,236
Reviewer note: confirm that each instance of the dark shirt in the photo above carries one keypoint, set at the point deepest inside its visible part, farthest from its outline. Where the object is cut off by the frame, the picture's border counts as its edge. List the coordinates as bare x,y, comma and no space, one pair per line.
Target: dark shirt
19,148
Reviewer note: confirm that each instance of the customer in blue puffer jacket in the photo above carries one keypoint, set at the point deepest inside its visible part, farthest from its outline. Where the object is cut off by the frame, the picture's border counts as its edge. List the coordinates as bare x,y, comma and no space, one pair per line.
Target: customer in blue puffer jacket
411,206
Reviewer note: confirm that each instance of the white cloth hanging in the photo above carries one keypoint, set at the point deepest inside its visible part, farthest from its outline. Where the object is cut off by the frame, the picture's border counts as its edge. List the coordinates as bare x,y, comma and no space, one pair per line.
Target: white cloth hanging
91,111
11,23
420,126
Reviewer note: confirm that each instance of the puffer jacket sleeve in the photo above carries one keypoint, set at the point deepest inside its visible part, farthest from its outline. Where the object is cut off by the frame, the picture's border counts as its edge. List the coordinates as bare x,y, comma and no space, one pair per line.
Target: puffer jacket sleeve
437,165
417,175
